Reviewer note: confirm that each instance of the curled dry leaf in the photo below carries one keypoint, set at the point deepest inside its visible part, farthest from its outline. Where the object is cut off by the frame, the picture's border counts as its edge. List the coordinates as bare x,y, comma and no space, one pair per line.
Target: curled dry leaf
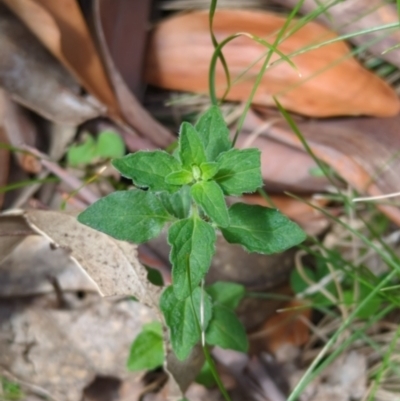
19,129
332,83
133,113
35,79
60,27
121,19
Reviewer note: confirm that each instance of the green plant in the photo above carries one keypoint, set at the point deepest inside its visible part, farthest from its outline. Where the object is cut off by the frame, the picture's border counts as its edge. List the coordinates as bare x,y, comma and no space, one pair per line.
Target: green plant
186,192
106,146
9,390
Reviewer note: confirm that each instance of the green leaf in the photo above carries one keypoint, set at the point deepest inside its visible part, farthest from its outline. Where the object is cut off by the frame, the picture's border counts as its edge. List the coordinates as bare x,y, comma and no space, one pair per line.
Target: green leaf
154,327
11,391
191,149
147,351
298,283
154,276
226,294
208,170
180,178
110,145
149,169
239,171
181,320
177,204
206,377
135,215
213,133
225,330
209,196
82,154
261,229
370,308
192,247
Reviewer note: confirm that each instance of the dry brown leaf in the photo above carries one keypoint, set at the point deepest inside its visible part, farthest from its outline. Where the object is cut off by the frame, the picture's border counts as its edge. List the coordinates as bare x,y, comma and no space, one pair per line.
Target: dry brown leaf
286,327
111,264
133,112
31,267
60,26
357,15
364,151
19,130
35,79
331,83
122,19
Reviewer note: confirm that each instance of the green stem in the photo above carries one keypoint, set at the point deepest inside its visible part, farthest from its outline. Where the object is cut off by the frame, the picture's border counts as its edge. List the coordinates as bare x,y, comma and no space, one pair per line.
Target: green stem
206,352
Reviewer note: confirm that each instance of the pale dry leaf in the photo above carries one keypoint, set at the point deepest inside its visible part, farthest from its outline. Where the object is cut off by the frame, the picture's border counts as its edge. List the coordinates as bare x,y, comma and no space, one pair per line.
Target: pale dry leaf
34,78
111,264
13,230
19,129
33,265
60,26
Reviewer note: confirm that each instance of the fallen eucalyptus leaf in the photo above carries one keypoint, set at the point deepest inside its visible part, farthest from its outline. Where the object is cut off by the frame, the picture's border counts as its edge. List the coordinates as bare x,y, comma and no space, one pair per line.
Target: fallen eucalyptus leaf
61,28
131,110
34,78
363,151
111,264
327,81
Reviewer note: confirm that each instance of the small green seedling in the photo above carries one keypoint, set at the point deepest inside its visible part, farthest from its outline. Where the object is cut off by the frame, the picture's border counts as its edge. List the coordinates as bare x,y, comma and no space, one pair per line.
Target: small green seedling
108,145
185,192
9,390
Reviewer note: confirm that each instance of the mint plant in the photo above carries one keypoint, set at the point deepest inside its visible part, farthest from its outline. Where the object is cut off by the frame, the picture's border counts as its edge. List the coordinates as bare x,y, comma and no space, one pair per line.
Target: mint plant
185,193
